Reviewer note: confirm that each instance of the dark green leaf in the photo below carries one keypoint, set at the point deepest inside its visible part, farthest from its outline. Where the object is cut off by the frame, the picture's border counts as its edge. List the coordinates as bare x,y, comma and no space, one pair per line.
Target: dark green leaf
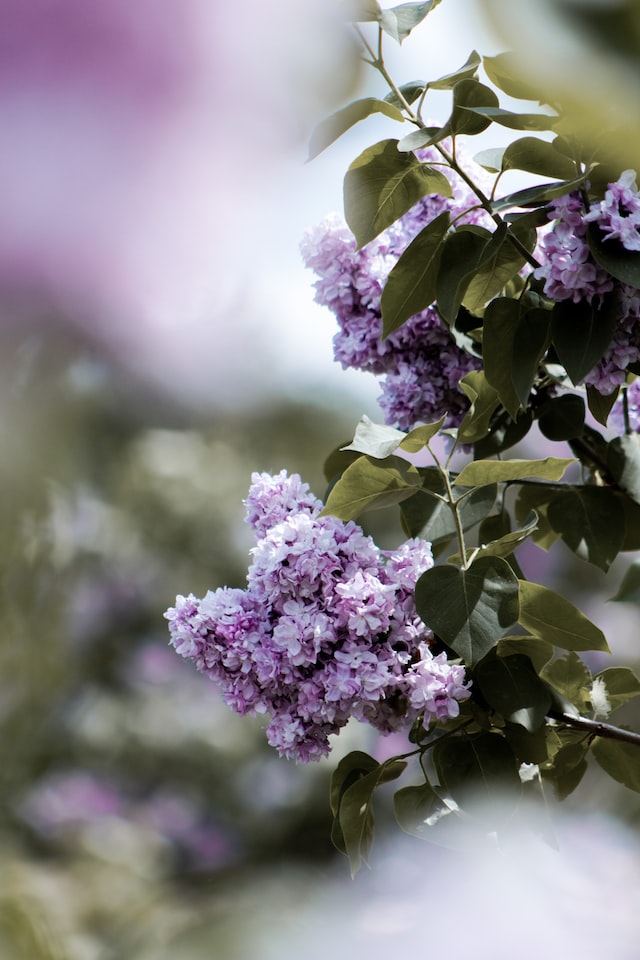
581,333
511,686
538,651
465,72
382,184
480,773
498,266
620,760
479,472
528,747
469,609
622,264
530,343
470,93
423,516
590,520
631,522
539,157
413,808
355,812
337,462
461,253
623,460
505,72
551,617
411,285
501,320
600,404
410,92
505,433
398,22
504,545
484,400
562,418
537,498
519,121
539,195
333,127
567,769
370,484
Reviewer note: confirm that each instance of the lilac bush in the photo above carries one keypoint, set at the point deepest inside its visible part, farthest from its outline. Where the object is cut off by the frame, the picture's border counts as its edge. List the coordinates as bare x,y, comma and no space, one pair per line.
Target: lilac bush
325,630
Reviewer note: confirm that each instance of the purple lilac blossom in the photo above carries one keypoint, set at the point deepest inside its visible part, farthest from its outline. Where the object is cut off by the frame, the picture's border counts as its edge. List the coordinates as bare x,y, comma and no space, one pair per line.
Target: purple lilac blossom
325,630
421,363
571,273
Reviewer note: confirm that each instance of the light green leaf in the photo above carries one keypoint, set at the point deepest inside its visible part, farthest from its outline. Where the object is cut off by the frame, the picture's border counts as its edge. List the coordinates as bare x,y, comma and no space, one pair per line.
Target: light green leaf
551,617
479,472
411,285
621,684
620,760
410,92
375,439
570,676
537,650
469,609
490,159
505,72
329,130
629,589
484,400
399,21
537,196
505,545
419,437
370,484
382,184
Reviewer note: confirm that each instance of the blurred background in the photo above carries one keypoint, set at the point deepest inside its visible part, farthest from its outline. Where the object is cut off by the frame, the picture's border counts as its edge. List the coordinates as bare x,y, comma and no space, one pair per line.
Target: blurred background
158,343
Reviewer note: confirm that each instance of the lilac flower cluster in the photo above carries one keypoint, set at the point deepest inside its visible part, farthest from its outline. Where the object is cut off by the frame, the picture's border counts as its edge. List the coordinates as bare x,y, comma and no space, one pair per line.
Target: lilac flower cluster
571,273
420,362
326,629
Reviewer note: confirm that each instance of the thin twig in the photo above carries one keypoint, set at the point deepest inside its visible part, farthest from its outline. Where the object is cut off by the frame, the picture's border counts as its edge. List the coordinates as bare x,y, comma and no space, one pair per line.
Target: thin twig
595,727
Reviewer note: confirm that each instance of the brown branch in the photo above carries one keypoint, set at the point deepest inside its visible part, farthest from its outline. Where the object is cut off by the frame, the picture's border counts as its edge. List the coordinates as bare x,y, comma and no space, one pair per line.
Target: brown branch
595,727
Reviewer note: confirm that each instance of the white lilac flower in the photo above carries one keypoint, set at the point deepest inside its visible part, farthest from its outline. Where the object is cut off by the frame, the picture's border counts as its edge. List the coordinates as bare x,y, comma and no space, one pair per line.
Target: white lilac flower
325,630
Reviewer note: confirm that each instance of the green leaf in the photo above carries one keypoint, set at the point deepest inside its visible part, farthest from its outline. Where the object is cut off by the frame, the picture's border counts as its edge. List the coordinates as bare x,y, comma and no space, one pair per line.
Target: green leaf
497,267
469,93
351,768
375,439
513,688
410,92
623,460
355,811
414,807
370,484
398,22
490,159
570,676
530,343
337,462
528,747
537,196
505,72
329,130
629,589
620,760
562,418
382,184
539,157
631,522
484,400
419,437
480,773
600,404
551,617
590,520
411,285
479,472
538,651
581,333
622,685
461,254
504,545
465,72
501,320
567,769
537,498
469,609
622,264
505,433
423,516
519,121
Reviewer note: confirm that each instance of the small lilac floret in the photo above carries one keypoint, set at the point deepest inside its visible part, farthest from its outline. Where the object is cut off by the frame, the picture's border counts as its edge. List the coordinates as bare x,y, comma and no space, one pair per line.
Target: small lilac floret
325,630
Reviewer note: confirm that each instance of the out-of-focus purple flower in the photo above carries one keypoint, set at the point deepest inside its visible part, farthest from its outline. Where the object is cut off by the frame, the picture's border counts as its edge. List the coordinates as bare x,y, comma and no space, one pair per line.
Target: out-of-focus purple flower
421,363
71,798
617,418
326,629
